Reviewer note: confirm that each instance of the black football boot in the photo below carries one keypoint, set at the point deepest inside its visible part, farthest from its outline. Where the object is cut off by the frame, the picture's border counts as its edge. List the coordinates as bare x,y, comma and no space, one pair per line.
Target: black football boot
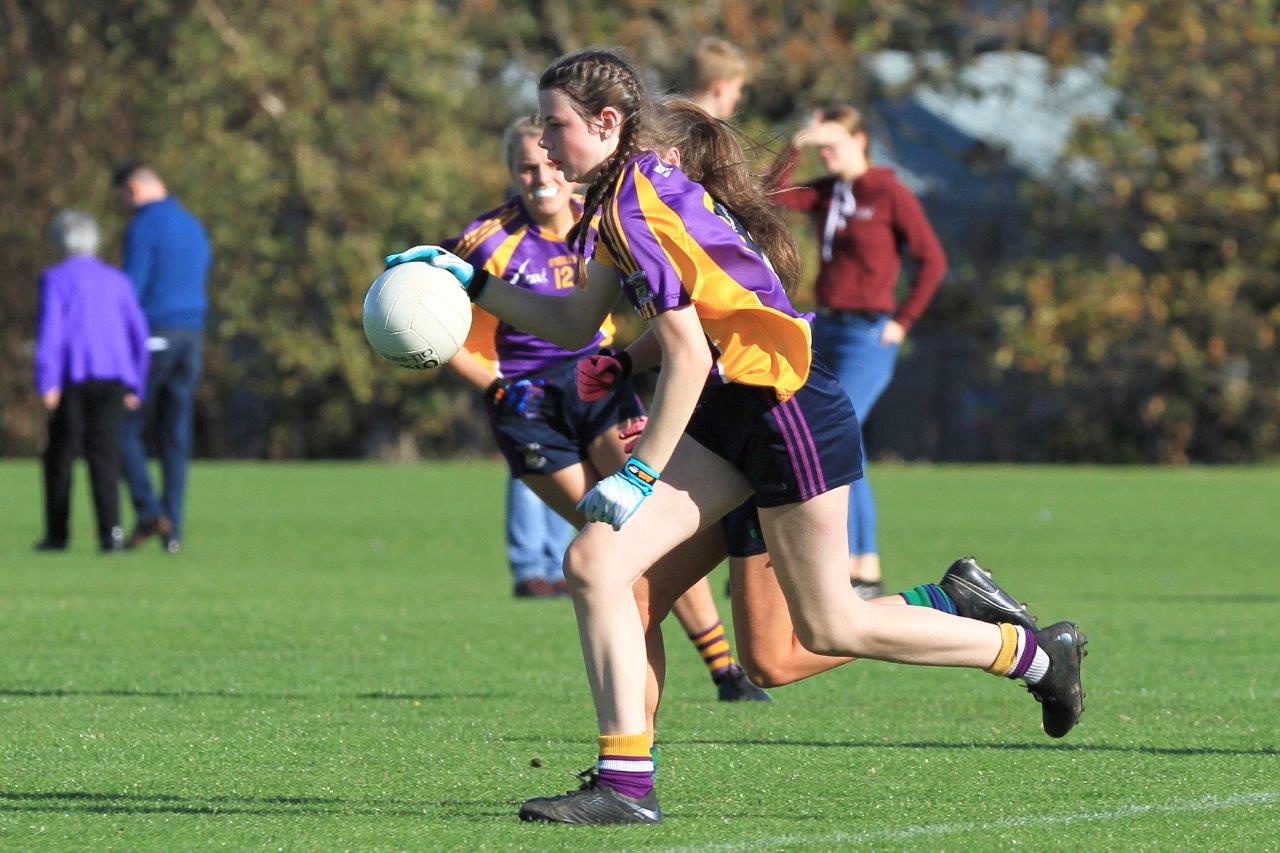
1060,693
592,804
977,595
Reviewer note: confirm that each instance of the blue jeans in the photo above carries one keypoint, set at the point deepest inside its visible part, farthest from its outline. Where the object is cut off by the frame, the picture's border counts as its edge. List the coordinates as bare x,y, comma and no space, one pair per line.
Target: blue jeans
536,536
850,345
171,393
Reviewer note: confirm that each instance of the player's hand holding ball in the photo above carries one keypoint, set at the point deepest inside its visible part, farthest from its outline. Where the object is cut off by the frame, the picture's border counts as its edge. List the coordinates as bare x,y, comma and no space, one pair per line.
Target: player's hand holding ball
438,258
415,313
617,497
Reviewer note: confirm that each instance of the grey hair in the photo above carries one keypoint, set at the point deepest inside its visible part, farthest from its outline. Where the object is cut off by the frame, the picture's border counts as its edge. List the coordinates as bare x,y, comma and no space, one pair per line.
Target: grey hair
75,233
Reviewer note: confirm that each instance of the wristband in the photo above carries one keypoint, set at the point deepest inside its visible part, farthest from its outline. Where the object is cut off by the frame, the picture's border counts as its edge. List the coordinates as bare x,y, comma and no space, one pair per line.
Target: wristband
624,361
479,281
496,391
640,475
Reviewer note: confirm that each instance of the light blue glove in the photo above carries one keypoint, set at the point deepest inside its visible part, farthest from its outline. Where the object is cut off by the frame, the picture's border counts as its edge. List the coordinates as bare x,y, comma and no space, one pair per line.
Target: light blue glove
617,497
437,257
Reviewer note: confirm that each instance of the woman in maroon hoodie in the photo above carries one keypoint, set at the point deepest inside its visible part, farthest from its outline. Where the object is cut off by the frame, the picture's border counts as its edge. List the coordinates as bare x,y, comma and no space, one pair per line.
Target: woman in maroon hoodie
865,220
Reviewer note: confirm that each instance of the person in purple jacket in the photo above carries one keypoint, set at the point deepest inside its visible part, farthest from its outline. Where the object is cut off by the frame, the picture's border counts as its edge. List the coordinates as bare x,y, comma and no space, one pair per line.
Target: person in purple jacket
90,366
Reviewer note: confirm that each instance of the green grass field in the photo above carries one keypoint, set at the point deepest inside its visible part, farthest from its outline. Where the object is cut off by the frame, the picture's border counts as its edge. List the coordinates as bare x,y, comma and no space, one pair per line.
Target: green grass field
336,662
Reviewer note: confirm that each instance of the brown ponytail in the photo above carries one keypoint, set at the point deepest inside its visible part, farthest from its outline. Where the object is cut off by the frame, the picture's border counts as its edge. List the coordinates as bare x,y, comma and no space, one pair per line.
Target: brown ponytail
710,154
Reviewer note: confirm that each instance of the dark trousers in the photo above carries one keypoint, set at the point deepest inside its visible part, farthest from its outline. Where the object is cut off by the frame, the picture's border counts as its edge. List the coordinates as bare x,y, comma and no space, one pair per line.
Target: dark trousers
88,417
171,400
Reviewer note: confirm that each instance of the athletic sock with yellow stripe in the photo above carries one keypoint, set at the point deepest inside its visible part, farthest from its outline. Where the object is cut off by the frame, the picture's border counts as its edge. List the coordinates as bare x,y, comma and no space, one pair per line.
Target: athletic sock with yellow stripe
713,645
625,764
1020,655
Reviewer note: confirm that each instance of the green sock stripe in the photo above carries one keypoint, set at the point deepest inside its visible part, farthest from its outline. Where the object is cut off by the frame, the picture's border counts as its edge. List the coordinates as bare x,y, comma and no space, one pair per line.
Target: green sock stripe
917,596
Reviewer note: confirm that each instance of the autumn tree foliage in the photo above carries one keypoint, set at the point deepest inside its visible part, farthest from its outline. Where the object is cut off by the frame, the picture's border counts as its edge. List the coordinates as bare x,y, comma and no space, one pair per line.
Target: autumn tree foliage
1144,326
314,136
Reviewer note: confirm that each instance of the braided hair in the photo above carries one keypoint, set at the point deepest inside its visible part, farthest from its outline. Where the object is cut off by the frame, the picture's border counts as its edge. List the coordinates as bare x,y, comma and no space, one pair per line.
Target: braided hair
596,78
593,79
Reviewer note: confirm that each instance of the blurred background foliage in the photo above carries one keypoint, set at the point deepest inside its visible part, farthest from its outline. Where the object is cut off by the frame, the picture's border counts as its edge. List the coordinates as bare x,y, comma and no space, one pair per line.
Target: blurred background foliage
1138,323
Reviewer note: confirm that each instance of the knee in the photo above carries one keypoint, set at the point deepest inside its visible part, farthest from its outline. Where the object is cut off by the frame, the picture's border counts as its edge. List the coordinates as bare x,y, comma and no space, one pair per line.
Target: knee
584,572
575,568
763,672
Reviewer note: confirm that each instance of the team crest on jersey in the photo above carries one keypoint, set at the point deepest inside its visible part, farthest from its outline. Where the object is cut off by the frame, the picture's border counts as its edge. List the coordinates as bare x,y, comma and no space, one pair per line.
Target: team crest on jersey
637,285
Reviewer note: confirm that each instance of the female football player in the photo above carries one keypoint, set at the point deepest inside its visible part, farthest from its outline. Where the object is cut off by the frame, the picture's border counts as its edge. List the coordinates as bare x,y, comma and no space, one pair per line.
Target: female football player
769,649
742,407
559,445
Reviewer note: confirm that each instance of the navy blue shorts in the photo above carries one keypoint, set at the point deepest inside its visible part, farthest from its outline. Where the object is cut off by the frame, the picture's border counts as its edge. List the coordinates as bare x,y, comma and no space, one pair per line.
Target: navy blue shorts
790,451
552,426
742,534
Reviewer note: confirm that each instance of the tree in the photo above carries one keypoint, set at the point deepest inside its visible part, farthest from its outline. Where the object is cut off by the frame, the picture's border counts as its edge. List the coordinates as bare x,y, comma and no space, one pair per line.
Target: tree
1146,328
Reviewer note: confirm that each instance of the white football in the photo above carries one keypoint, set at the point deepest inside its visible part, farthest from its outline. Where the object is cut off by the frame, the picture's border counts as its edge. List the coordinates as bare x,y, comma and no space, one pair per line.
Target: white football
416,315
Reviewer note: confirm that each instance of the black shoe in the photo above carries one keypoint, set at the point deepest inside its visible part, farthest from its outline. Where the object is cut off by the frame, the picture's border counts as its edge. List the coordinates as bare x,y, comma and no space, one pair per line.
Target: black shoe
1060,693
113,542
593,804
50,544
734,686
978,596
145,529
867,590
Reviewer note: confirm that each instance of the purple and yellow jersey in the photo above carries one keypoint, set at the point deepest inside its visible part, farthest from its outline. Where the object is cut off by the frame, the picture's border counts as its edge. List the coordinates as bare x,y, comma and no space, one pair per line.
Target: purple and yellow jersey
509,244
673,245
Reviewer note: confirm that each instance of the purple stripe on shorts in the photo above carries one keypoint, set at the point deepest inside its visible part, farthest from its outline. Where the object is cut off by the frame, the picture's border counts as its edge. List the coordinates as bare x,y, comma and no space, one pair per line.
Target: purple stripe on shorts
808,440
1028,655
803,445
799,462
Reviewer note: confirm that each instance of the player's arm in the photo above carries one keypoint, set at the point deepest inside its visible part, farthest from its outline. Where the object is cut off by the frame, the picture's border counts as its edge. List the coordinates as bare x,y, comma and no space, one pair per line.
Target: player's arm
570,321
645,352
686,363
472,370
597,375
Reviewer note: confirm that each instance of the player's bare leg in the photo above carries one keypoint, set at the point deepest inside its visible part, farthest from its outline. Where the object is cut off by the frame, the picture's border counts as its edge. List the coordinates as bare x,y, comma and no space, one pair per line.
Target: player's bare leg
696,609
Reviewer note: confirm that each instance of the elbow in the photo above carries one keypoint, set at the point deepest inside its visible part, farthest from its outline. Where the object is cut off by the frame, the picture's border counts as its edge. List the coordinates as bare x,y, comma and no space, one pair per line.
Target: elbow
691,356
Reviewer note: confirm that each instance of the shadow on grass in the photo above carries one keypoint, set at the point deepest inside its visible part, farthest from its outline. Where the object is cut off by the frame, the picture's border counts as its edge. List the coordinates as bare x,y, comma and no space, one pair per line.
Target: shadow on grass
95,802
60,692
926,744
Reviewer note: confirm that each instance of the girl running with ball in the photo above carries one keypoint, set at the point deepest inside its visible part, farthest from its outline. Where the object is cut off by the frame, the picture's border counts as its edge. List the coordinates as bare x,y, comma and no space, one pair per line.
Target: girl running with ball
742,407
556,443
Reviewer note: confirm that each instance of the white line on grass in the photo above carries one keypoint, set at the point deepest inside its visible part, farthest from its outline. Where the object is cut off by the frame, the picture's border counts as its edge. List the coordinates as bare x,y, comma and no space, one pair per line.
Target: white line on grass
1203,804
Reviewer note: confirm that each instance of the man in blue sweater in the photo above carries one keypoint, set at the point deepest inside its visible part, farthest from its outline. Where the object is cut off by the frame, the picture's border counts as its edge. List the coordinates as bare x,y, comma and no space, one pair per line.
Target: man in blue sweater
166,256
